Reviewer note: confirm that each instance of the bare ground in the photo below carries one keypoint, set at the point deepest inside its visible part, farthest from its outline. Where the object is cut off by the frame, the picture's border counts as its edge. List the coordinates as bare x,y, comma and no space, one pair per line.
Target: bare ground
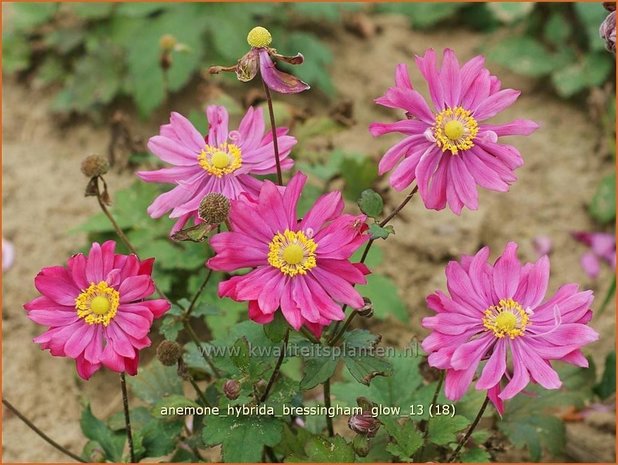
42,200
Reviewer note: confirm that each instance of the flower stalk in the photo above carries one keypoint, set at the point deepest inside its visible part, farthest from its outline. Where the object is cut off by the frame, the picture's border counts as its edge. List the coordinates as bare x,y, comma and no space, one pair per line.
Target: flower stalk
127,416
470,431
273,128
275,373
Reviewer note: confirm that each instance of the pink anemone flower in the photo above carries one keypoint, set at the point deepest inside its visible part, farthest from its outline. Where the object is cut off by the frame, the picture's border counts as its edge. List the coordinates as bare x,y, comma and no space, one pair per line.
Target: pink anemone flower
299,266
96,310
223,162
449,150
499,311
602,248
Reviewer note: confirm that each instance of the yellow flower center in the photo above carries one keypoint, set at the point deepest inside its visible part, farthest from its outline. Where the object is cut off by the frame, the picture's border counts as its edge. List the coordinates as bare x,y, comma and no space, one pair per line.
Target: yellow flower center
98,304
508,318
220,160
259,37
292,252
455,130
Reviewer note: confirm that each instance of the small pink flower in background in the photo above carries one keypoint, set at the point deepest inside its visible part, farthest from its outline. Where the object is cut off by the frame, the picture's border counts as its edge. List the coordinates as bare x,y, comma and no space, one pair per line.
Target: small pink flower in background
542,245
301,266
448,150
602,248
260,58
95,309
223,162
499,312
607,31
8,254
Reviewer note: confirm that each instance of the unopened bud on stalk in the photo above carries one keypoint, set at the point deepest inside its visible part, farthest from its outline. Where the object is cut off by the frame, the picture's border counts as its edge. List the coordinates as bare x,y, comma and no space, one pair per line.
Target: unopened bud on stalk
214,208
169,352
95,165
260,387
231,389
365,424
360,444
367,309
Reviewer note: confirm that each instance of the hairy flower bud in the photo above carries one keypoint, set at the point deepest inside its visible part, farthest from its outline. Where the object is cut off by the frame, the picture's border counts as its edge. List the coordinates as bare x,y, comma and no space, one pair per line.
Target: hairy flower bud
360,444
214,208
364,424
95,165
367,309
169,352
231,389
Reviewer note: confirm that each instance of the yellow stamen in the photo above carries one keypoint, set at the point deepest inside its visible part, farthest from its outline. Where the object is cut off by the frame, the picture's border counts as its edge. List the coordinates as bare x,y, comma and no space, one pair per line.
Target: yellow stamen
220,160
259,37
508,318
292,252
98,304
455,130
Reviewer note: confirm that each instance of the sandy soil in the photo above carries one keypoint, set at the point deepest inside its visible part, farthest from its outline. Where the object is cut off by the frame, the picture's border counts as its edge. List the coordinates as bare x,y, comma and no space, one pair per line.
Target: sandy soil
42,199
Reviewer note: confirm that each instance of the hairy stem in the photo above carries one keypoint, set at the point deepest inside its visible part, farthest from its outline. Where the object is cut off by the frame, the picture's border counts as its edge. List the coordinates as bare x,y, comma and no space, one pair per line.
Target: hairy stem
343,329
197,294
127,416
197,342
470,430
273,128
329,420
434,399
275,373
120,232
41,434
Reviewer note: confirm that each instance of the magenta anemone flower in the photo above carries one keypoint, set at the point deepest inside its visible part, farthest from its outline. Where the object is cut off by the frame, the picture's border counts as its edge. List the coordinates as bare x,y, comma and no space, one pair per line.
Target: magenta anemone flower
261,57
96,310
8,254
602,248
499,312
449,150
224,161
299,266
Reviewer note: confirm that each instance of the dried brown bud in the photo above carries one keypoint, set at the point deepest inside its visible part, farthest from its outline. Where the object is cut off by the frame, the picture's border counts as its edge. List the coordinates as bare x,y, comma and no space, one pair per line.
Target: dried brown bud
95,165
169,353
609,6
231,389
365,424
214,208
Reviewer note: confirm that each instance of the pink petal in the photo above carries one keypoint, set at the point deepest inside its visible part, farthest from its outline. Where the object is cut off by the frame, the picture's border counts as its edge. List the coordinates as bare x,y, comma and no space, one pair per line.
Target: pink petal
279,81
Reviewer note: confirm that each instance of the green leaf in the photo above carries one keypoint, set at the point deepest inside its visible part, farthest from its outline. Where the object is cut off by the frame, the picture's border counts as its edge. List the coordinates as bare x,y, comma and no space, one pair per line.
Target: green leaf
96,430
317,58
591,15
384,295
423,15
276,329
155,381
603,204
535,432
242,438
475,455
443,429
607,386
359,172
159,438
371,203
329,450
379,232
317,371
359,359
91,10
15,53
510,12
593,70
407,439
523,55
173,401
557,29
29,15
323,11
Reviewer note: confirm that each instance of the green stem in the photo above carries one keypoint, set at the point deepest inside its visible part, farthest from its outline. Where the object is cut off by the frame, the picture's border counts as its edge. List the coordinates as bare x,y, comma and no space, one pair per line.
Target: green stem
470,430
275,373
197,342
341,332
608,297
273,128
327,404
434,399
127,416
197,294
41,434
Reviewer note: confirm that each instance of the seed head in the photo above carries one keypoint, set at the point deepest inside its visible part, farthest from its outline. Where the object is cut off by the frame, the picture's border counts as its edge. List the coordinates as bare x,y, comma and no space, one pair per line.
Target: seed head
259,37
214,208
169,353
95,165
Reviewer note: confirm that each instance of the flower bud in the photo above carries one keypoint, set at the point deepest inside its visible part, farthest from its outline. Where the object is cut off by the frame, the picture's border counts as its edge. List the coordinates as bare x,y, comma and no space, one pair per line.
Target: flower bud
260,387
609,6
364,424
259,37
167,43
231,389
169,353
95,165
367,309
360,444
214,208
